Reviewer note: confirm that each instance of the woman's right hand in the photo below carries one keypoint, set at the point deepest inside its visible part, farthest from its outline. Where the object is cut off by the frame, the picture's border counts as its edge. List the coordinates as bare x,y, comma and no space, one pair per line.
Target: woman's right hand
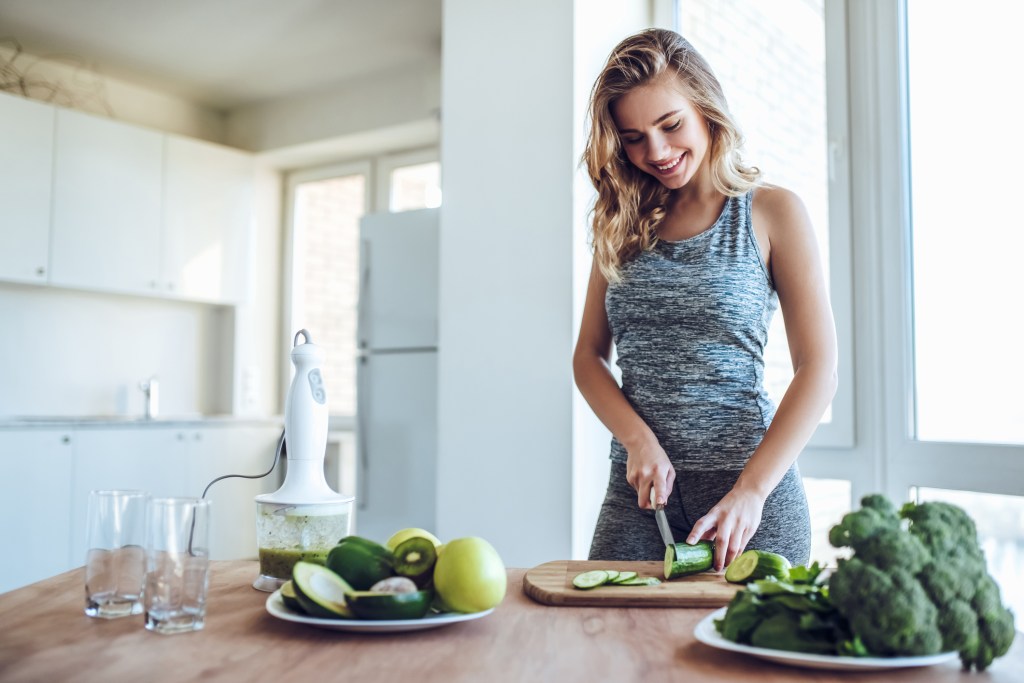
647,468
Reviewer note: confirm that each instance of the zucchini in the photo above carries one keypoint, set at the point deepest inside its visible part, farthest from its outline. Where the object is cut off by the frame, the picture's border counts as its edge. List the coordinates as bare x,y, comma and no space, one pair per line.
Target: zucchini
623,577
682,559
757,564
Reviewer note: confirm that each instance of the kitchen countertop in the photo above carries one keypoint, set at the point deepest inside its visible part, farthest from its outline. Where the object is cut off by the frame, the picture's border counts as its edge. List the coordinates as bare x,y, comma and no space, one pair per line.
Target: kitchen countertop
44,636
124,421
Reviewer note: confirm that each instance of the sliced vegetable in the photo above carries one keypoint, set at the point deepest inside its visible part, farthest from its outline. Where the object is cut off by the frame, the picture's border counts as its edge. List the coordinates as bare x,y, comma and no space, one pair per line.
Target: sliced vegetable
682,559
757,564
394,584
321,592
611,577
374,605
591,579
640,581
288,597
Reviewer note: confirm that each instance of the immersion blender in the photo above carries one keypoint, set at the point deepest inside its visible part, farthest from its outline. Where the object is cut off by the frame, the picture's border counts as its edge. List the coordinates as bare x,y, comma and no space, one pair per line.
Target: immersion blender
304,518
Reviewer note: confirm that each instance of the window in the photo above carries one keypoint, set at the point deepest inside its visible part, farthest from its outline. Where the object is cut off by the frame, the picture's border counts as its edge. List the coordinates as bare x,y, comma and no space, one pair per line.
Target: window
325,206
1000,522
828,500
967,236
771,61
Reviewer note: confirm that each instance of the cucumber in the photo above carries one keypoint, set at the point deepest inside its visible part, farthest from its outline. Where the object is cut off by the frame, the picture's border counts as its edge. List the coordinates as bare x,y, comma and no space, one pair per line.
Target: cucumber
624,577
321,592
682,559
591,579
757,564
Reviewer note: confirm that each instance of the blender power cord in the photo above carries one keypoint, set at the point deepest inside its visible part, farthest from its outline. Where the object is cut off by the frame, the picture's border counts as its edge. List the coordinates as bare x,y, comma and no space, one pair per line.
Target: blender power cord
277,456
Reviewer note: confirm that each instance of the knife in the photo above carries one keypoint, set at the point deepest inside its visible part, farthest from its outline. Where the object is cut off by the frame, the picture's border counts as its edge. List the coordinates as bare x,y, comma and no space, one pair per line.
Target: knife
662,519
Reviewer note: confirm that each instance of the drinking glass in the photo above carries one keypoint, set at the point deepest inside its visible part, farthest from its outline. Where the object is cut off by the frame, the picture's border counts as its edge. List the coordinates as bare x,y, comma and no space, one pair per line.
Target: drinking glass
177,564
115,564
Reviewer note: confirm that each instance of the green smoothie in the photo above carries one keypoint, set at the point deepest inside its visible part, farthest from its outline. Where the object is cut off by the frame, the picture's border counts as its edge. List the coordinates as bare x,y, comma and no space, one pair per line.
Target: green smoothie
278,562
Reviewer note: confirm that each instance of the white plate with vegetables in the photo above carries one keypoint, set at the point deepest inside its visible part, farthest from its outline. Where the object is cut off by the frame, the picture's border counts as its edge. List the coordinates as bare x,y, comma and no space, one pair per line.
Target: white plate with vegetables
276,608
707,634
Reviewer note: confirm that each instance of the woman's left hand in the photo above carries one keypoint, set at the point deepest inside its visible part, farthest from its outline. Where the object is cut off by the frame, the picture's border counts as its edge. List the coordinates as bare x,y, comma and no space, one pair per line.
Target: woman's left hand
730,524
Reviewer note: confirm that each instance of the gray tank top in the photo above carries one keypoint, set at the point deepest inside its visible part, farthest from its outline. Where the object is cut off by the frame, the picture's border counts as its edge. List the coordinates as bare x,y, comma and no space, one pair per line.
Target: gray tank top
690,320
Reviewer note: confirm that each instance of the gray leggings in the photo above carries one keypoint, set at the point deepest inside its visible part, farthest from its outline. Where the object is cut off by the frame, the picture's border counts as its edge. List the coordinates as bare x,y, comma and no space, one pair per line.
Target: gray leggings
626,532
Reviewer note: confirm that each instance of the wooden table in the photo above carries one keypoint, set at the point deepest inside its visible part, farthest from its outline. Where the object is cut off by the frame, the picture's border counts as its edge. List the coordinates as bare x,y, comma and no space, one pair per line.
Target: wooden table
44,636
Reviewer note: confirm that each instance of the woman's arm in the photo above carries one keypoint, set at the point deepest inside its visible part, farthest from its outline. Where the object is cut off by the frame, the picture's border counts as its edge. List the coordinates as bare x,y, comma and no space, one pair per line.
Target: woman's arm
647,465
799,280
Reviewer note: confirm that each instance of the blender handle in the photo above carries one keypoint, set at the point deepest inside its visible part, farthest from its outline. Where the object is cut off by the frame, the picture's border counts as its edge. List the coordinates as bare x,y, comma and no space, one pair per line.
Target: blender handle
362,477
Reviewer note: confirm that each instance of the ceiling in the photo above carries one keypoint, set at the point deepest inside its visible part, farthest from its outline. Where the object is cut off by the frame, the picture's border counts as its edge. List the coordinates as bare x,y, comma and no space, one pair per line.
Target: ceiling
228,53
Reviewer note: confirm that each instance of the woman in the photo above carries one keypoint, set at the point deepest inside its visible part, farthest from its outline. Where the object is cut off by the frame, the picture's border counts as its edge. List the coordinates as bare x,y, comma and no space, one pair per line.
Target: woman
692,254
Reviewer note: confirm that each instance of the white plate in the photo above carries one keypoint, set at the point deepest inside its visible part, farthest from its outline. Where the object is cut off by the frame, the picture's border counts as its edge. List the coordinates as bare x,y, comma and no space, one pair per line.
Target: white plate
707,634
276,608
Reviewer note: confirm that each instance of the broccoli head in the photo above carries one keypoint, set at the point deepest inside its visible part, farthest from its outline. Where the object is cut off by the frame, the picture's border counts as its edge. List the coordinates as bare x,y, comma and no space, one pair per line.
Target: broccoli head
889,610
919,588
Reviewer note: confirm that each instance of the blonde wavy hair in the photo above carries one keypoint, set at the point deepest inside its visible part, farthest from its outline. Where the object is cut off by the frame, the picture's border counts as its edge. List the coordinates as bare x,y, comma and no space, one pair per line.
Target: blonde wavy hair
630,203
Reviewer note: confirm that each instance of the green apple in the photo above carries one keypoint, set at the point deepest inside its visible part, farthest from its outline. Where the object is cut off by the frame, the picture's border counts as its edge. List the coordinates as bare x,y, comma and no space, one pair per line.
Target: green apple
469,575
405,534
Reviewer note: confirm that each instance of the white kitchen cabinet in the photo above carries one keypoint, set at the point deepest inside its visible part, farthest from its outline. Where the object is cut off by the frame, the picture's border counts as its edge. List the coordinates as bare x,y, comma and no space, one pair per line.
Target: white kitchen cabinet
207,212
26,164
107,187
35,531
150,458
216,451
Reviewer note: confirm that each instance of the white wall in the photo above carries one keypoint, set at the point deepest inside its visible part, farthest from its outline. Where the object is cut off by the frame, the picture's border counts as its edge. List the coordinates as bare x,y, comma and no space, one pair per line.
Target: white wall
597,31
513,242
375,101
78,353
81,87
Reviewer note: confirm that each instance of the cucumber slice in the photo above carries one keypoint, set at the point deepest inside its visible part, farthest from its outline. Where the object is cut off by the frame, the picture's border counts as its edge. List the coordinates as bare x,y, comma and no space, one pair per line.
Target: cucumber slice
640,581
321,592
591,579
682,559
757,564
623,577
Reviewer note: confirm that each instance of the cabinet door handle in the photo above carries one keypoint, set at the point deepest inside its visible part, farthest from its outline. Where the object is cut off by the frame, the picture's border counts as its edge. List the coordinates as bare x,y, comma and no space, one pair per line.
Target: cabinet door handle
40,271
65,439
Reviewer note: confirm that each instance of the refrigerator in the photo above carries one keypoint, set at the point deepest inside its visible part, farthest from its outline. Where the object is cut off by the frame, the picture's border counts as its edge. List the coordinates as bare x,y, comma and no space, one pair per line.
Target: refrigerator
396,373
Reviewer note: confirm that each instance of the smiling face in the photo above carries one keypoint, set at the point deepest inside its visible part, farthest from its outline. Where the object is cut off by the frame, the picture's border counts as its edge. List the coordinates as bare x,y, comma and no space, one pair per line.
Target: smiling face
663,134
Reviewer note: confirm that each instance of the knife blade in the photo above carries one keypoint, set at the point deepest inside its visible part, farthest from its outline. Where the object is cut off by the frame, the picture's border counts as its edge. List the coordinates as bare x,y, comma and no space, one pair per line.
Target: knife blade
662,519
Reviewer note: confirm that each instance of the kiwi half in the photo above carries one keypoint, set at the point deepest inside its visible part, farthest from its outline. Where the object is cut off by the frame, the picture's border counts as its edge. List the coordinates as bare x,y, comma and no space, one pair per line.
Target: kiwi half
415,558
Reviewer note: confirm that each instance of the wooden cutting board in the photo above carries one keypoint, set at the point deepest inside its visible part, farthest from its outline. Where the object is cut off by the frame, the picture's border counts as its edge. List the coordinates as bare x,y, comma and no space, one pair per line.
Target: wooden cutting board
551,584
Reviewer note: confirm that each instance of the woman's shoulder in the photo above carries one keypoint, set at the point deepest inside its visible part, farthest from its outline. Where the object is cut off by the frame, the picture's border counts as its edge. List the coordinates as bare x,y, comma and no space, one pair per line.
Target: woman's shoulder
777,208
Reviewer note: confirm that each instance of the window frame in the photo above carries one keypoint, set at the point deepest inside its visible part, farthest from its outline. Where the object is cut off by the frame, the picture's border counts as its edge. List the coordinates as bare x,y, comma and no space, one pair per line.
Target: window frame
292,270
389,162
994,468
839,433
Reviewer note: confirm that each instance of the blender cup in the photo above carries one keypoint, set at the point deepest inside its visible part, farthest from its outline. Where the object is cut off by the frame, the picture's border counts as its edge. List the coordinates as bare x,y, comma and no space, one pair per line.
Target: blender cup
288,533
